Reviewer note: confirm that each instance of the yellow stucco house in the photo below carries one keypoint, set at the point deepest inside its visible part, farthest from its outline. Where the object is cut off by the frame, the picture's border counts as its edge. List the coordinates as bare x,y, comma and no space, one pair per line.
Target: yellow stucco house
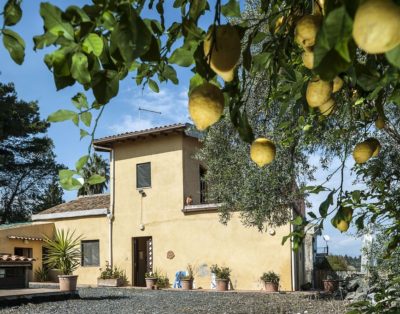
144,223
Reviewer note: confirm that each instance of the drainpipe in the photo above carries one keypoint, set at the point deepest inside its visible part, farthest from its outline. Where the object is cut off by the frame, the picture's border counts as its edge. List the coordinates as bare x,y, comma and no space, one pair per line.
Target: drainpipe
294,279
110,214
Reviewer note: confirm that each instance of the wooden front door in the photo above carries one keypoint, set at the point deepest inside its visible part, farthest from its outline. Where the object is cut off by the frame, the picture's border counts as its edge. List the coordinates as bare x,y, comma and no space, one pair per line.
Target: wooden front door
142,259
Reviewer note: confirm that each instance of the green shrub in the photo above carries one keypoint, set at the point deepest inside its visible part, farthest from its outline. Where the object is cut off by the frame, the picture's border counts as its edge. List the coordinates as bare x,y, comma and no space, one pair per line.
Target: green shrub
221,272
270,277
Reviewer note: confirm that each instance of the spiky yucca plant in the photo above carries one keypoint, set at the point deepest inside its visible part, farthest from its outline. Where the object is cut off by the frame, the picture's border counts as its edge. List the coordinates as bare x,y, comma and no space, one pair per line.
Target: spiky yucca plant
63,251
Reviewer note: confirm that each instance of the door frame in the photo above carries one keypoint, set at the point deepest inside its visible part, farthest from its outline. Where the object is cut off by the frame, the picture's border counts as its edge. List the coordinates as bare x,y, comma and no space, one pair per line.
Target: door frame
135,257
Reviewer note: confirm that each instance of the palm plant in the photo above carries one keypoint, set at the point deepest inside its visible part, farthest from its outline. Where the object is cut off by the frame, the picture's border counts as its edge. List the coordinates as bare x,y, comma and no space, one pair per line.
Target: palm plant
63,251
95,165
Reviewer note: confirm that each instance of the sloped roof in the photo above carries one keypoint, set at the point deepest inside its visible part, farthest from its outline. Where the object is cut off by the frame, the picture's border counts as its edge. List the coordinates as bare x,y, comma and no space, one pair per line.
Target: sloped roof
15,258
89,202
185,128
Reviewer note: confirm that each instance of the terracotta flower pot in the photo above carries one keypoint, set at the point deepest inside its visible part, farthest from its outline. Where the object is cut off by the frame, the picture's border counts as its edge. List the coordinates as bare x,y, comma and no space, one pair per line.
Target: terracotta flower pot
222,284
67,282
150,283
113,282
187,284
330,285
270,286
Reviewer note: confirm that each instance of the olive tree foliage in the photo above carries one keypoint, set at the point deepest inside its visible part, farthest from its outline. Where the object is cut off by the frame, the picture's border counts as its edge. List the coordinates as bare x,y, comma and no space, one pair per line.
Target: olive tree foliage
99,44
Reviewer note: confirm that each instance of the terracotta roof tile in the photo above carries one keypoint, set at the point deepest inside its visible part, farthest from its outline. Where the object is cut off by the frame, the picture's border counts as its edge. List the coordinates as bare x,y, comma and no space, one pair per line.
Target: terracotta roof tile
130,135
15,258
88,202
14,237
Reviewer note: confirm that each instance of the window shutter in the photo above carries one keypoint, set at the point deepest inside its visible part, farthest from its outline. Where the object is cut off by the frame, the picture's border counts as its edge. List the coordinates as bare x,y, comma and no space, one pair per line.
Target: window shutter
143,175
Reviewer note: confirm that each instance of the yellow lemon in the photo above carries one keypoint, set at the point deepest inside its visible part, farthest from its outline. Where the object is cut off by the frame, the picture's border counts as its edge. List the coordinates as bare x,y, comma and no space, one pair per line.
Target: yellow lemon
375,145
306,30
380,122
318,92
362,152
327,108
225,46
262,151
342,225
227,76
337,84
308,59
206,104
376,27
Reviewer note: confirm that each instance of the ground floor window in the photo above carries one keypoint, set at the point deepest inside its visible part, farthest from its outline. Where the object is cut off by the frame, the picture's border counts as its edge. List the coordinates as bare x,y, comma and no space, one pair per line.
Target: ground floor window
90,253
23,251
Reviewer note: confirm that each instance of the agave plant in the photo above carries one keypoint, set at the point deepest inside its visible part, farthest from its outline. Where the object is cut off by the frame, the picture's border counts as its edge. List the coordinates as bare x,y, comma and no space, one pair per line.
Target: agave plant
63,251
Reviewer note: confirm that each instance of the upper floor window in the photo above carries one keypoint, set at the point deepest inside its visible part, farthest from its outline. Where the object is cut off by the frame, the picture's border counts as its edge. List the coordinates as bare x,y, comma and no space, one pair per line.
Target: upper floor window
90,253
143,175
203,185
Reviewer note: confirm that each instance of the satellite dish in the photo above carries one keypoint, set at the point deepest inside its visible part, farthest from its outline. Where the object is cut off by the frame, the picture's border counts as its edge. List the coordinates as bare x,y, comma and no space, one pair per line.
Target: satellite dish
326,237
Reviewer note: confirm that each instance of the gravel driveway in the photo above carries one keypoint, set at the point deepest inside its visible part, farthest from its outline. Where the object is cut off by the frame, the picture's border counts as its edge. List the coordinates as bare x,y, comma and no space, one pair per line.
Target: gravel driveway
132,301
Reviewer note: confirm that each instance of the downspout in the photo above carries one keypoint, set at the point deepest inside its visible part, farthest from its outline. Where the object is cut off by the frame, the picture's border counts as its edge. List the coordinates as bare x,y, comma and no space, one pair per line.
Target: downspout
110,214
293,259
111,211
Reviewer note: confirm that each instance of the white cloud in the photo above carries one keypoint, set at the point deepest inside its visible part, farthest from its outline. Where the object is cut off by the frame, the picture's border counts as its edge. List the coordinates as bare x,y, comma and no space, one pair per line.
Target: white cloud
171,102
130,123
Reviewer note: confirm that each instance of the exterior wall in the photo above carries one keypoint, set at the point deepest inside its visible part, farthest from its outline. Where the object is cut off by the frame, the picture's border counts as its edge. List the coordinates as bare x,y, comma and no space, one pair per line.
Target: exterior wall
191,169
7,245
163,200
201,240
196,238
91,228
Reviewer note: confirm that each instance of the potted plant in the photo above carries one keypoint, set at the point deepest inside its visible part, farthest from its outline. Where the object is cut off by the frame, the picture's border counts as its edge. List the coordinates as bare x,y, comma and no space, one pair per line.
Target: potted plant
151,280
330,284
111,277
187,281
64,255
271,281
222,275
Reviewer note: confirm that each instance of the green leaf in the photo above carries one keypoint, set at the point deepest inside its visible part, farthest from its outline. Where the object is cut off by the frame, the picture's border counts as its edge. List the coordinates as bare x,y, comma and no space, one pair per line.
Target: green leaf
15,45
76,14
81,162
53,21
182,57
70,184
62,115
44,40
79,68
312,215
105,85
170,74
393,56
298,221
195,81
12,12
83,133
323,208
80,101
66,173
334,49
231,9
130,37
244,128
197,9
96,179
153,54
93,43
108,20
86,118
153,86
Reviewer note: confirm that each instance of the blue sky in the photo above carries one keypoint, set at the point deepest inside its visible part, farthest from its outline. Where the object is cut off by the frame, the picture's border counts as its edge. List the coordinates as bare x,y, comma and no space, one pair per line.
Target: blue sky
33,81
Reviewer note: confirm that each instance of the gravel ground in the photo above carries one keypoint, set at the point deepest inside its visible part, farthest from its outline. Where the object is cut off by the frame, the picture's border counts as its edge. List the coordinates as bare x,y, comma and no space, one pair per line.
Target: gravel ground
123,300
